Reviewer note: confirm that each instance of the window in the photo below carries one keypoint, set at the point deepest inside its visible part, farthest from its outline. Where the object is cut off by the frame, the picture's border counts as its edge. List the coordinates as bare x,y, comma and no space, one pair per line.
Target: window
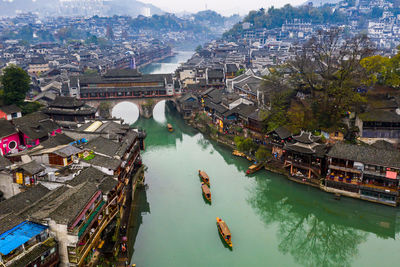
12,145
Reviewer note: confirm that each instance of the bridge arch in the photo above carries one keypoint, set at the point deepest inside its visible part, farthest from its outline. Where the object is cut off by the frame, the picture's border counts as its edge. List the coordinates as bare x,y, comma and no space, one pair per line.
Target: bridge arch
145,105
126,110
159,112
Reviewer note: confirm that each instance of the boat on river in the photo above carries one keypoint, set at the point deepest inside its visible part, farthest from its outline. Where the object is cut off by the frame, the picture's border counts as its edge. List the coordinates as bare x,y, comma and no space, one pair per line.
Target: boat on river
206,192
204,177
255,167
238,153
224,231
169,127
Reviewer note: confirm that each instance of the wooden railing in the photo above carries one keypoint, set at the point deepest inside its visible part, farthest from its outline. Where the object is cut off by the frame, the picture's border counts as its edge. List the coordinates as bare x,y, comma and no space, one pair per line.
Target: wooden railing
84,250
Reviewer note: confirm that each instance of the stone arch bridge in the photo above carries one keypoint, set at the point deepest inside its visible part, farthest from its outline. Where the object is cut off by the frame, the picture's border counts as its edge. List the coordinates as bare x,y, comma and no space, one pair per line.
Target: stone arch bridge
145,105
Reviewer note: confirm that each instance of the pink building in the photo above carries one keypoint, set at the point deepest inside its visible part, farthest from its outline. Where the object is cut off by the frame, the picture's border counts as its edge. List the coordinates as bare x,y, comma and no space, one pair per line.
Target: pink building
36,128
9,138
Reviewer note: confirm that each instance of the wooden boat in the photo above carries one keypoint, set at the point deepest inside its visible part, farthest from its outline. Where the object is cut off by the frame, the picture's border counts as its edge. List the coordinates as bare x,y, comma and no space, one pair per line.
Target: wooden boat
204,177
238,153
224,231
169,127
255,167
206,191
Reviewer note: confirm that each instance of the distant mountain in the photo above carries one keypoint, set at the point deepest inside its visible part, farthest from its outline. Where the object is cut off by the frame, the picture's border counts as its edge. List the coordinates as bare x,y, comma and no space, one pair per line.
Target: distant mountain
77,7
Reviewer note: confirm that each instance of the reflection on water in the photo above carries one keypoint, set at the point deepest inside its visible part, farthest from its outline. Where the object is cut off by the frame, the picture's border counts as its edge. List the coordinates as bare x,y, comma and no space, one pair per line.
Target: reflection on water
159,112
140,206
127,111
317,230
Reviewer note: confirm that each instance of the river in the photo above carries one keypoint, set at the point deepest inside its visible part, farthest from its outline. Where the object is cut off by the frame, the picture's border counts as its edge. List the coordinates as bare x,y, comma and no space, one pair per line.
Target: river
273,221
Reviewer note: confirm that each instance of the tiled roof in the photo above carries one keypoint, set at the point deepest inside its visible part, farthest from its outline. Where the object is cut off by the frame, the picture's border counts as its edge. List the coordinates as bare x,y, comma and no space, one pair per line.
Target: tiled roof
306,138
380,116
6,128
10,109
66,102
366,154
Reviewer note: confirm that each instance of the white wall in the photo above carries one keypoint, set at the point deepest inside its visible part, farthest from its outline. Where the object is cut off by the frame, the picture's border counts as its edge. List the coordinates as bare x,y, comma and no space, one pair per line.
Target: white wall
60,232
7,185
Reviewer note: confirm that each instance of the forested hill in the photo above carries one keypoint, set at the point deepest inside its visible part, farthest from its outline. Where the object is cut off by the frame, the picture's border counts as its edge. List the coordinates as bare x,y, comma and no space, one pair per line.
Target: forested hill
275,17
338,13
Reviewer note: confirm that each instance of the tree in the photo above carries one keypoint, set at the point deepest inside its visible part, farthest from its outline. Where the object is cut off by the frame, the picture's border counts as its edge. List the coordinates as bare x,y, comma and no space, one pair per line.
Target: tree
328,66
198,49
90,71
262,154
279,105
240,72
382,70
247,146
30,107
15,83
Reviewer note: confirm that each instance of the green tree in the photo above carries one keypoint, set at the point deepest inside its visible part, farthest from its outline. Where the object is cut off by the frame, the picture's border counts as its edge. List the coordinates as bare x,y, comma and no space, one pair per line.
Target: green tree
238,141
262,154
90,71
240,72
30,107
15,83
198,49
382,70
247,146
280,102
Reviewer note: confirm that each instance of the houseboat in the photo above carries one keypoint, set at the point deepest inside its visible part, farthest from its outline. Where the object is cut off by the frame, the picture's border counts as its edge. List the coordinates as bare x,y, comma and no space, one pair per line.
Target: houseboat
224,231
204,177
169,127
206,192
255,167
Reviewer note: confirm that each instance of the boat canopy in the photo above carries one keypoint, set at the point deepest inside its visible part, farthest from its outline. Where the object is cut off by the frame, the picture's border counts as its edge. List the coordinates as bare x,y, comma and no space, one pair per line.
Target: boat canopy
206,189
224,229
203,175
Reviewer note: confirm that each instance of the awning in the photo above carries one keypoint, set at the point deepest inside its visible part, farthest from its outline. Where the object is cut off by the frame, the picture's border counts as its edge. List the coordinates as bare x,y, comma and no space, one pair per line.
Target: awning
18,235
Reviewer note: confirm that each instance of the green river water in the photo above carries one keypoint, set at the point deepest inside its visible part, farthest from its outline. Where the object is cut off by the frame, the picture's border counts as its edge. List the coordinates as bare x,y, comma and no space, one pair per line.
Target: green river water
273,221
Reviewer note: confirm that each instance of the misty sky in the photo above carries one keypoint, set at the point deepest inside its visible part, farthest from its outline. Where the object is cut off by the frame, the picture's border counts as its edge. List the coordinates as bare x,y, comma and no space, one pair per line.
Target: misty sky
225,7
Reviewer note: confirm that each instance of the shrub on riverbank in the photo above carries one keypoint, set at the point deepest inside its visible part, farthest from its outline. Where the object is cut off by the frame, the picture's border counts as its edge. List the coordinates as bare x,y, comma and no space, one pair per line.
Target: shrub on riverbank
262,154
245,145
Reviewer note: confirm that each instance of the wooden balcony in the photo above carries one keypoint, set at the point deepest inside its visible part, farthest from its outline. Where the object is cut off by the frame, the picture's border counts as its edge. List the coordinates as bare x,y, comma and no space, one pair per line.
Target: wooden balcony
83,251
76,230
304,166
344,169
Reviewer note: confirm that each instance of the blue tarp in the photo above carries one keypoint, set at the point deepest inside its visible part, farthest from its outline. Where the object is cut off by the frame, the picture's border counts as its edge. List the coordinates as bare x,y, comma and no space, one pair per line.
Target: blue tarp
19,235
